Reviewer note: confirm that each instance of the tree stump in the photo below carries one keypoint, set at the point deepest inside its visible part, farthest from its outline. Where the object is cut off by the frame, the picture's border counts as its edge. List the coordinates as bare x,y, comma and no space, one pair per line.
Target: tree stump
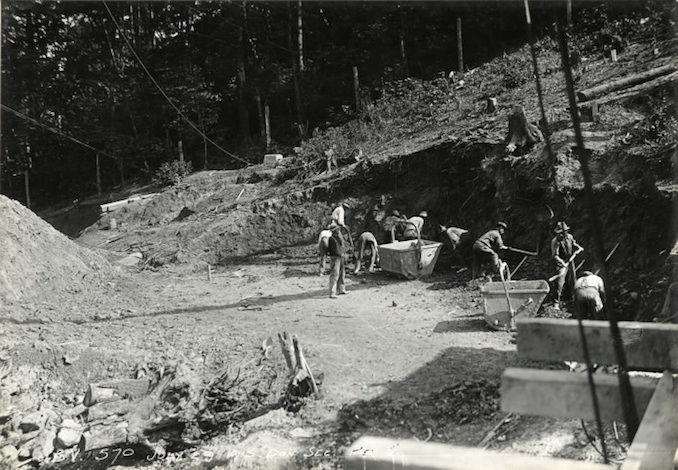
522,135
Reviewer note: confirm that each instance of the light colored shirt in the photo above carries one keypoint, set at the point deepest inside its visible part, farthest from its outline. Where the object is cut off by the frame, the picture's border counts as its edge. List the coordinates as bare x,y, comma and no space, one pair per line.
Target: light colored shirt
592,281
338,215
326,234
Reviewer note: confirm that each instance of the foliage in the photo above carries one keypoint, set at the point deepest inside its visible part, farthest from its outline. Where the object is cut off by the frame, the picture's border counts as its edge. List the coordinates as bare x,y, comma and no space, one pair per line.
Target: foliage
172,173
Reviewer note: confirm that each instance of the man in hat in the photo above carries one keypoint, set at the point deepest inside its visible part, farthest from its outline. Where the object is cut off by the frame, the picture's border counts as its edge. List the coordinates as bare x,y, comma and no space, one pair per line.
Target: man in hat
338,214
366,241
337,252
486,249
417,221
589,296
564,249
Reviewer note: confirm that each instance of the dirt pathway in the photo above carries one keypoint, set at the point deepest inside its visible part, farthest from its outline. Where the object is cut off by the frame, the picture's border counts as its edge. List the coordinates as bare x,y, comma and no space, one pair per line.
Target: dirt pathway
387,345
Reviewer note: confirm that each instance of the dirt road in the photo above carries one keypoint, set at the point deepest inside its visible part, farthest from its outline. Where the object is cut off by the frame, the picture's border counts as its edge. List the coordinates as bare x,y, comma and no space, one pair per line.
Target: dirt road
400,358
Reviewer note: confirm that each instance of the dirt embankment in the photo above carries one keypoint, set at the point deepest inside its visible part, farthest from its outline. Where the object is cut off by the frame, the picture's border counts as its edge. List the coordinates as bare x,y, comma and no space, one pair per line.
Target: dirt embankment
43,273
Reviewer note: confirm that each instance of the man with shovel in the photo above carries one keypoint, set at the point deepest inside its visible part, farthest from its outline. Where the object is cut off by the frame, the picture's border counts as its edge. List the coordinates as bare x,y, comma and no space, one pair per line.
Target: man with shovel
486,249
564,249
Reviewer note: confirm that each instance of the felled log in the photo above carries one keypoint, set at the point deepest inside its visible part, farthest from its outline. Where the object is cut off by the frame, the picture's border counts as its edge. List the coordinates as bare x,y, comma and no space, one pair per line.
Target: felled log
104,410
590,108
521,133
591,93
103,392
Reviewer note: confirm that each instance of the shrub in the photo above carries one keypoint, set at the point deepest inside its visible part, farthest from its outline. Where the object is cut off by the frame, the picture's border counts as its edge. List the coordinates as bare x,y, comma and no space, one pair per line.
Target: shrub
171,173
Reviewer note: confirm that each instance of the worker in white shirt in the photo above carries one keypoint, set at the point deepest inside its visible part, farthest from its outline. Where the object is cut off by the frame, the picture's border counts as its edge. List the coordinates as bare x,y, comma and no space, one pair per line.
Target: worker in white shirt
338,214
589,296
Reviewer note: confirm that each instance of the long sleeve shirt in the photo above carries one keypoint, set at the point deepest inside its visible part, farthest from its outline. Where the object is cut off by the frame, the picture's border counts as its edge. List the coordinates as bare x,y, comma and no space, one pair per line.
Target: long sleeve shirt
492,240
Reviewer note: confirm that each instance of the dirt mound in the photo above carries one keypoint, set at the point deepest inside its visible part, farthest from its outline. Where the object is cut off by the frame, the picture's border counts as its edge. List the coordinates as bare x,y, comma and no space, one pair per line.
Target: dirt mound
40,265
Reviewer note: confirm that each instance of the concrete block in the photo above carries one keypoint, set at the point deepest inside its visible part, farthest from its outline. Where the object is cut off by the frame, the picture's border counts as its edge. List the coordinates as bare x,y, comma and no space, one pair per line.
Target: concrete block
271,160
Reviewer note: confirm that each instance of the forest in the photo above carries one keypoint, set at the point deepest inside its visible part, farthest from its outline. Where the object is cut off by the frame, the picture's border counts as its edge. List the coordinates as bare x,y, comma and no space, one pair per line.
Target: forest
97,94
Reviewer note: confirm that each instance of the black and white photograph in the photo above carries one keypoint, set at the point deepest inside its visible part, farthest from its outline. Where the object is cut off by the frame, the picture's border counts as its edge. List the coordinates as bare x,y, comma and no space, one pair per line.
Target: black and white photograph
360,235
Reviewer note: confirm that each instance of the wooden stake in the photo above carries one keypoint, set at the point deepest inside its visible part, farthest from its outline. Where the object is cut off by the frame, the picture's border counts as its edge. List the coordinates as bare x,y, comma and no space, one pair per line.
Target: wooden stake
209,272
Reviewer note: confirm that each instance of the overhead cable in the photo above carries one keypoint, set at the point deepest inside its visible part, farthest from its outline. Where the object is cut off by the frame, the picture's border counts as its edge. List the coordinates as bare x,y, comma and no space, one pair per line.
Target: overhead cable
179,112
55,131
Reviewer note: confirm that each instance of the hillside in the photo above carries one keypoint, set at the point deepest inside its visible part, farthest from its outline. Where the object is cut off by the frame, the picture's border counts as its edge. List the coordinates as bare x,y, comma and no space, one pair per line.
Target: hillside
188,290
437,149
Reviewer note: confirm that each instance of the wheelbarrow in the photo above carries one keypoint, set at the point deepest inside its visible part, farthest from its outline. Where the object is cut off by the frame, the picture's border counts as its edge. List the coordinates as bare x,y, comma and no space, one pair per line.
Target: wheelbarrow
504,301
411,259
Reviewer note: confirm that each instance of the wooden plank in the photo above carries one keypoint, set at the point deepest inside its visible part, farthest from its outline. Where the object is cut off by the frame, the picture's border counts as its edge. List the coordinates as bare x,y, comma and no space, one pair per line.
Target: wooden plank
380,453
656,441
648,346
560,394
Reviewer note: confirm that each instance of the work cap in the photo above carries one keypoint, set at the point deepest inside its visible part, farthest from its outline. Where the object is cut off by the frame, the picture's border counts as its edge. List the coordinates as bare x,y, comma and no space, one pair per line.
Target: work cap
561,227
423,214
502,224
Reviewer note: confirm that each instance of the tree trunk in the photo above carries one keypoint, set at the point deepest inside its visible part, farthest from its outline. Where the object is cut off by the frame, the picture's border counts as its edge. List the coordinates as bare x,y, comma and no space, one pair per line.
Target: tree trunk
98,176
27,187
243,113
300,38
295,73
403,50
625,82
460,48
267,124
181,151
356,89
260,114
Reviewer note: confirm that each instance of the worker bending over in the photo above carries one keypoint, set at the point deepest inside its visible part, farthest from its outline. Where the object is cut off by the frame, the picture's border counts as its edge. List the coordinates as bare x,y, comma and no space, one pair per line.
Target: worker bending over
410,232
366,241
323,248
564,249
486,249
589,296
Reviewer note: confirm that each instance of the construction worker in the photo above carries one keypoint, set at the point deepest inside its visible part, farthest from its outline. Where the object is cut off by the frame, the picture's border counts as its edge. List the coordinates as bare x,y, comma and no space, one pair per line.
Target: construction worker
486,249
338,214
323,248
455,235
337,252
589,296
366,240
410,232
388,223
564,249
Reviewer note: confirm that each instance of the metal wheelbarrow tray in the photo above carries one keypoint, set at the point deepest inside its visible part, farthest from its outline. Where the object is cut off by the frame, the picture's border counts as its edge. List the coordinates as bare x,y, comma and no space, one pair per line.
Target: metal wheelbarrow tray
525,297
411,259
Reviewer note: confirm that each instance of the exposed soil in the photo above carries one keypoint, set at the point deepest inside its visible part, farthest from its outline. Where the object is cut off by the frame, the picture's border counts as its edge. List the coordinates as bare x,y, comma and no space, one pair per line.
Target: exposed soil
196,278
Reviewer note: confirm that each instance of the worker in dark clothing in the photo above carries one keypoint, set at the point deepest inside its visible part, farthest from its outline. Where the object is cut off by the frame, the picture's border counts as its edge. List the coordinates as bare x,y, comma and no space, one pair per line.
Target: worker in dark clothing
387,224
564,249
337,252
486,249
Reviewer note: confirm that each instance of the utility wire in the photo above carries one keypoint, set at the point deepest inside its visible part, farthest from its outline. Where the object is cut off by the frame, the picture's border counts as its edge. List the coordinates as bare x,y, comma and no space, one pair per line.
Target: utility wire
179,112
55,131
626,392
